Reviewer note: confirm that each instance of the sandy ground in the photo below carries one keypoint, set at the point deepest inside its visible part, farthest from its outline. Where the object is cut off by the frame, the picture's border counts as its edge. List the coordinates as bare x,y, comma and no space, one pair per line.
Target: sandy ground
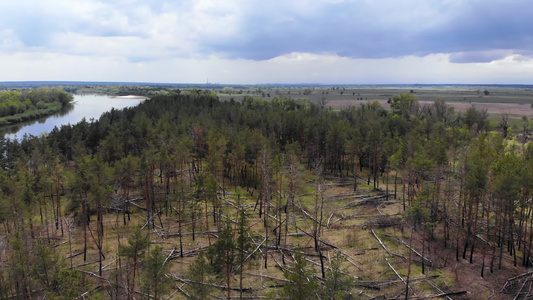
130,97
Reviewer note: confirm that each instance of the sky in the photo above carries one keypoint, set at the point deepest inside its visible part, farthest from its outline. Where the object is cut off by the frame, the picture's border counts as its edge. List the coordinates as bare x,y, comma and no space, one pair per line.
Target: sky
267,41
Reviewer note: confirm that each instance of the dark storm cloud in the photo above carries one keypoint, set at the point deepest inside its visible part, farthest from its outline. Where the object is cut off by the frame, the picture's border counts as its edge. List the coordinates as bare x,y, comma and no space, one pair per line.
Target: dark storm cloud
479,56
380,29
470,31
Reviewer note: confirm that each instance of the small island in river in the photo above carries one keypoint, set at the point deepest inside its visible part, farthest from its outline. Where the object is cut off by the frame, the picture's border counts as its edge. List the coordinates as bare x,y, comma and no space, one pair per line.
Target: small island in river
27,104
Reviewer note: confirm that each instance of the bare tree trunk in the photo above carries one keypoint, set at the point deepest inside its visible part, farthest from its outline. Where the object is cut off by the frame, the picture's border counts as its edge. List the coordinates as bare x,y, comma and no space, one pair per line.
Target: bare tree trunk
85,224
475,230
488,241
265,195
504,223
69,227
409,266
355,173
181,205
423,248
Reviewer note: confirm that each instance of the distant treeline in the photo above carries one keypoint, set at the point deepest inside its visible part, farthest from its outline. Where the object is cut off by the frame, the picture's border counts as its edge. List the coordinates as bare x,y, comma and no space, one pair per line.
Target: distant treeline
22,105
123,90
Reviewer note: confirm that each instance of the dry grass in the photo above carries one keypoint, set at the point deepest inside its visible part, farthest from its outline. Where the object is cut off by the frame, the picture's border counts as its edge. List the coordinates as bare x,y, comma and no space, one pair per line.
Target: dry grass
515,101
351,236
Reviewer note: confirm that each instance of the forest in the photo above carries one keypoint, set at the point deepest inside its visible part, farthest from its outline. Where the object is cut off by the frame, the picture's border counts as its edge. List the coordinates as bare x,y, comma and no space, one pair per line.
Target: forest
26,104
186,196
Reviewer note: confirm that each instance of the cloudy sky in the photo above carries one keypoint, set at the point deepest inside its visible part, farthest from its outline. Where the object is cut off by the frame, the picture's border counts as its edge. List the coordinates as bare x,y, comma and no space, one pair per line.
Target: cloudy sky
268,41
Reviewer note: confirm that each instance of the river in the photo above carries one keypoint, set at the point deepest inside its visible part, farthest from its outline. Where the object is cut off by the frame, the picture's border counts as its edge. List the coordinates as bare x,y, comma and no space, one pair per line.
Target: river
83,106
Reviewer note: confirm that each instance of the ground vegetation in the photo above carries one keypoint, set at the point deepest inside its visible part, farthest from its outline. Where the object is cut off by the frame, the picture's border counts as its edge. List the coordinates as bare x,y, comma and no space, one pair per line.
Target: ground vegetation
188,196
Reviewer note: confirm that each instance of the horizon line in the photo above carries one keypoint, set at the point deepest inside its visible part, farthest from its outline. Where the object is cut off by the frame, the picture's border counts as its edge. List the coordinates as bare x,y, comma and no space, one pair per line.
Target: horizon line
76,82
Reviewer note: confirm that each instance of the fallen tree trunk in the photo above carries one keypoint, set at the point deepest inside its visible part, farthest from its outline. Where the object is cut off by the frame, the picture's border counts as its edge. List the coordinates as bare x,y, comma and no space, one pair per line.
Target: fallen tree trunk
416,252
385,248
222,287
437,295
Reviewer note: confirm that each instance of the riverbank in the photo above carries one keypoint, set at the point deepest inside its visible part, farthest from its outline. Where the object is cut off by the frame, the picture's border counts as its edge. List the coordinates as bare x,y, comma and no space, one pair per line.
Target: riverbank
22,105
88,107
131,97
29,115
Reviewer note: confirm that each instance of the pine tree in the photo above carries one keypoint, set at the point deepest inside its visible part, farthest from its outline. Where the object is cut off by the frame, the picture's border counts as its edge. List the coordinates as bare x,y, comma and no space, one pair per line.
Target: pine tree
338,283
198,275
222,255
155,281
243,243
138,243
302,283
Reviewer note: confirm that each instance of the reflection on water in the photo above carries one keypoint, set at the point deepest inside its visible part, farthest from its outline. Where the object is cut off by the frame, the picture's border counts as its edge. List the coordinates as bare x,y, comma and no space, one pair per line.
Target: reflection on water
12,129
83,106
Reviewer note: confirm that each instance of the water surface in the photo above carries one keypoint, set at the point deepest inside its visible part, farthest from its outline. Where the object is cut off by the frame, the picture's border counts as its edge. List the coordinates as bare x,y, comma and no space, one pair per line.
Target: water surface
83,106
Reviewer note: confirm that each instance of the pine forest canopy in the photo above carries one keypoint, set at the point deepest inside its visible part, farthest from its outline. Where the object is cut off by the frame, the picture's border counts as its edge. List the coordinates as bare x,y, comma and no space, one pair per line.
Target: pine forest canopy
189,167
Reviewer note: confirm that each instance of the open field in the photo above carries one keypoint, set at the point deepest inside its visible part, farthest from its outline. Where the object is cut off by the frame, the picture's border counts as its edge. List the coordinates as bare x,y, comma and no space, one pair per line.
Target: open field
514,110
514,101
